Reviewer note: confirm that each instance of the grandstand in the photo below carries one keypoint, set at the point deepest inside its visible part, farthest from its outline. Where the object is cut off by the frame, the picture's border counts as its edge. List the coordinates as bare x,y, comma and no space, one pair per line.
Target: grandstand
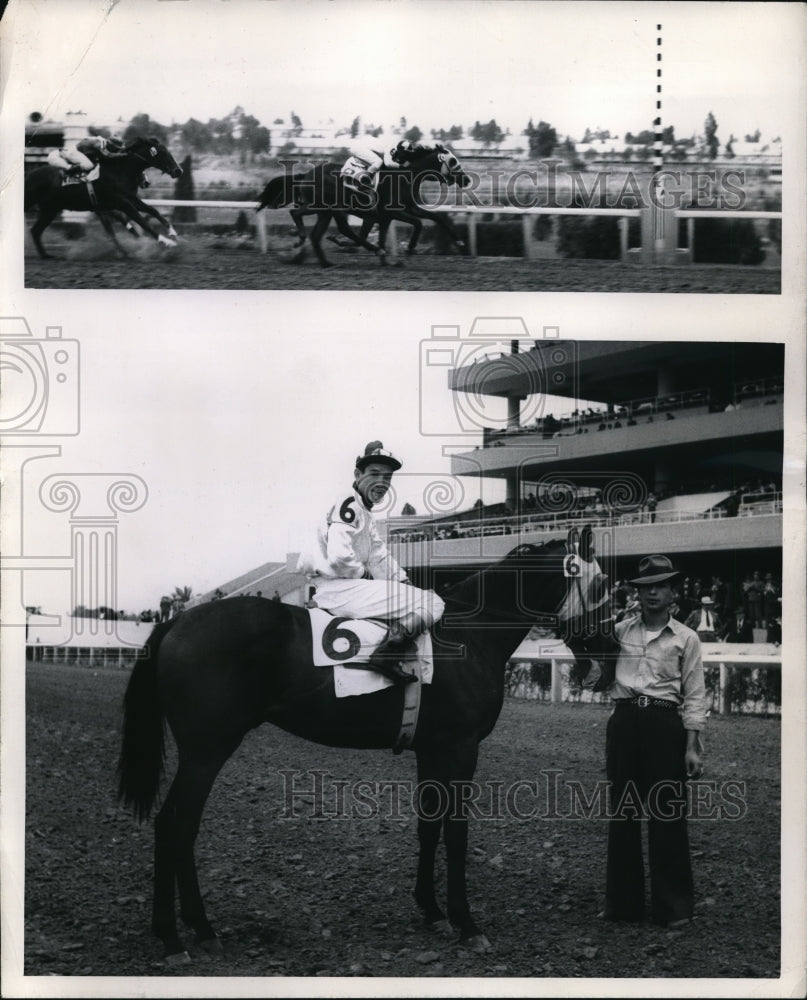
682,454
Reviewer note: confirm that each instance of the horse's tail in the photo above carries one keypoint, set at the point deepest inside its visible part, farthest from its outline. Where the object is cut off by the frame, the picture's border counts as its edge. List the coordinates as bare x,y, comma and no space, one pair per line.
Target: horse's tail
142,755
277,193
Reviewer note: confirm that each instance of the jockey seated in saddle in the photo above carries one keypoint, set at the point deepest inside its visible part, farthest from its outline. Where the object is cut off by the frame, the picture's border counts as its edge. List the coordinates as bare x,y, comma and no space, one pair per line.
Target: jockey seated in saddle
86,154
356,577
361,168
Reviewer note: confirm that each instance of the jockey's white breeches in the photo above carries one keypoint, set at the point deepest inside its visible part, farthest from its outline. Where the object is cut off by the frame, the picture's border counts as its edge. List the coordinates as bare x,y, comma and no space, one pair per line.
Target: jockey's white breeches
416,609
67,158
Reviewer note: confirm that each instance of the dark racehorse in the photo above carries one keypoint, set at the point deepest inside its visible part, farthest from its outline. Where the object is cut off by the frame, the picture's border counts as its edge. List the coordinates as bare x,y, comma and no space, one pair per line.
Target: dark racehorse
323,192
225,667
114,191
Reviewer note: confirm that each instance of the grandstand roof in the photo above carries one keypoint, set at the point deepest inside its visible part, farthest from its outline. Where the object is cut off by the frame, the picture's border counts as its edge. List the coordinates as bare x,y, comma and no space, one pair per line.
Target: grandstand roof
613,370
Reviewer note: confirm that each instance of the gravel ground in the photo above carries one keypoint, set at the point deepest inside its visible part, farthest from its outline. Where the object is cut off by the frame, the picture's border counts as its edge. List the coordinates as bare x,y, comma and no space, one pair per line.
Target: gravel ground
294,895
211,264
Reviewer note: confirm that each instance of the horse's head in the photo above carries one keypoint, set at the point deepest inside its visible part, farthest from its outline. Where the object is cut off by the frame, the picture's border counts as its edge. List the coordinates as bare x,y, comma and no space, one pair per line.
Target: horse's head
153,153
587,622
442,161
583,612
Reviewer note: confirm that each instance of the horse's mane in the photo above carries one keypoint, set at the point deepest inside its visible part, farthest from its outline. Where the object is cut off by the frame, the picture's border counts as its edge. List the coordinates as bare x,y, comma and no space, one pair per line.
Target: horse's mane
521,552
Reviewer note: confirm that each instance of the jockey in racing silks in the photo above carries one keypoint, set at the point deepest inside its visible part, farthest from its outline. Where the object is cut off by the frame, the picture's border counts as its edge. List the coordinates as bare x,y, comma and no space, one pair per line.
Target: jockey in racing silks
356,577
369,156
87,152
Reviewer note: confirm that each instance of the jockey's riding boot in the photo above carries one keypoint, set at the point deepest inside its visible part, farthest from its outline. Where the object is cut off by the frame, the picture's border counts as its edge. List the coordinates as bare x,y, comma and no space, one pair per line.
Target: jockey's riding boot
387,656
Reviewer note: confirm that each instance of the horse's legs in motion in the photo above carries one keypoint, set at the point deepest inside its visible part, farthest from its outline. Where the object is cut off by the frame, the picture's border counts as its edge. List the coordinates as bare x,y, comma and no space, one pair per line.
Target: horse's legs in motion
175,830
106,222
297,218
360,238
319,230
47,214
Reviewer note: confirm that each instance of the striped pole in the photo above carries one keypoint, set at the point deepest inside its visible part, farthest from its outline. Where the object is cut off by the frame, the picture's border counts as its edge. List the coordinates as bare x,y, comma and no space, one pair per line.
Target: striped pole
658,213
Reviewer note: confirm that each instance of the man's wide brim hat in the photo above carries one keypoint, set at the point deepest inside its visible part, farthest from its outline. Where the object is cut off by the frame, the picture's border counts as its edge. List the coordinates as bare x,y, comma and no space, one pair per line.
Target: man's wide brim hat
376,452
655,569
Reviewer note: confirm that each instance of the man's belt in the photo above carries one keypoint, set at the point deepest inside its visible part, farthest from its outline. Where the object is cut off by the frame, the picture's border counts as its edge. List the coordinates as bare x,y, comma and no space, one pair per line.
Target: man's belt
644,701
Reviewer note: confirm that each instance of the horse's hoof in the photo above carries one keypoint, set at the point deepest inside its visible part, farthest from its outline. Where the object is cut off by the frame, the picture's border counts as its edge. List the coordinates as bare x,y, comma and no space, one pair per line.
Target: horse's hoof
166,242
211,946
478,943
178,958
442,928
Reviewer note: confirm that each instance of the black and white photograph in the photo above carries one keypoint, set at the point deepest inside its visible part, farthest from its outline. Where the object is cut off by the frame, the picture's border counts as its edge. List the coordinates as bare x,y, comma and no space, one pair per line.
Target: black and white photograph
367,644
444,146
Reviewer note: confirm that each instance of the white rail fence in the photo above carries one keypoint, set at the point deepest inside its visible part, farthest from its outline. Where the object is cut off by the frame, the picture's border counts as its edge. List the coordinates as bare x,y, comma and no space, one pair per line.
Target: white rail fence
725,656
473,212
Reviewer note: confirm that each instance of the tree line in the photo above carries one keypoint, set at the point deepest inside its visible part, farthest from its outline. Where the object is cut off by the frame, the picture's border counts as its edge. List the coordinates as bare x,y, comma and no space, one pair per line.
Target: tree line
242,133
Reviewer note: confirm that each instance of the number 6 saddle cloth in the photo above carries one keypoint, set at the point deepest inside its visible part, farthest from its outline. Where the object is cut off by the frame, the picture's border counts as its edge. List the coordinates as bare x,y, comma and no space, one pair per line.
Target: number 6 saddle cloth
340,641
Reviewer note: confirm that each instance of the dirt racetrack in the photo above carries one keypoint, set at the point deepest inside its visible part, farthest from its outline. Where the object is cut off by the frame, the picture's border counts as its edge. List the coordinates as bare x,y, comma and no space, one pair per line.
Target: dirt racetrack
89,263
299,896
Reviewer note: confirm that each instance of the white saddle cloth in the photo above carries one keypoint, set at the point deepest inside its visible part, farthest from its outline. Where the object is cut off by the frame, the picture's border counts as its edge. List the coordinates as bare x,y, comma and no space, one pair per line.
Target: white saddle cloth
337,642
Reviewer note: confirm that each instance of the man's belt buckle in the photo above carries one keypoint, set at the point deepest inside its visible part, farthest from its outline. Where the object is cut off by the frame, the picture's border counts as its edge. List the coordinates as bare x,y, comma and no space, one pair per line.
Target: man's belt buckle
642,701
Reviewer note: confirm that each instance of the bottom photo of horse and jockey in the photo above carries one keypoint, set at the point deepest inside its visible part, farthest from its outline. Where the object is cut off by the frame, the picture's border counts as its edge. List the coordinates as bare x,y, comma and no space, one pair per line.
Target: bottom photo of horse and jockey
404,536
473,670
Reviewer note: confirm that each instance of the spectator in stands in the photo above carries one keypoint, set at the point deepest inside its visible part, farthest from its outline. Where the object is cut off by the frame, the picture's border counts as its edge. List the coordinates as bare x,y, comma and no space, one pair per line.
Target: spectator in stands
650,506
356,576
738,627
704,621
774,634
770,600
686,602
165,608
753,597
651,748
718,592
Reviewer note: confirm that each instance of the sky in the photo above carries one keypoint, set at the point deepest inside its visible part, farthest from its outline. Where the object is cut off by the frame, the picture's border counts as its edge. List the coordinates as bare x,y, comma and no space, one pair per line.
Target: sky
437,63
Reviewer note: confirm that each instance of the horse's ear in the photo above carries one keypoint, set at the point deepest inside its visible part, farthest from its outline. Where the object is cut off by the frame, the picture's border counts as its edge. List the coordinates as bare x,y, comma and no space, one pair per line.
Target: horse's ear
587,543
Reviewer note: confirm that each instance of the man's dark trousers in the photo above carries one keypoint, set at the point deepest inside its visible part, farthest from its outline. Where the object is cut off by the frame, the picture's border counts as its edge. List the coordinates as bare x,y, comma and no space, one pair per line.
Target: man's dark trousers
645,763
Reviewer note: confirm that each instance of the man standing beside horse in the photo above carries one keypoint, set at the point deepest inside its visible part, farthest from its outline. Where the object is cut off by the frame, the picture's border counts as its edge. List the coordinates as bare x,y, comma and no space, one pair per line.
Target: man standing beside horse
356,577
653,746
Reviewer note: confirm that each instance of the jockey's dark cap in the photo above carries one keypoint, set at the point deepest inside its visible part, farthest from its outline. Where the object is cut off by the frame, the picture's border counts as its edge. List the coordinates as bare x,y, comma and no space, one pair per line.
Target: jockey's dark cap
376,452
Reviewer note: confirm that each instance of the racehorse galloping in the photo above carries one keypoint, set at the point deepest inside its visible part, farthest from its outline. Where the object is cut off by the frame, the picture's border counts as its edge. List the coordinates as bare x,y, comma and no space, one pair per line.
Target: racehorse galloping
323,192
115,190
223,668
